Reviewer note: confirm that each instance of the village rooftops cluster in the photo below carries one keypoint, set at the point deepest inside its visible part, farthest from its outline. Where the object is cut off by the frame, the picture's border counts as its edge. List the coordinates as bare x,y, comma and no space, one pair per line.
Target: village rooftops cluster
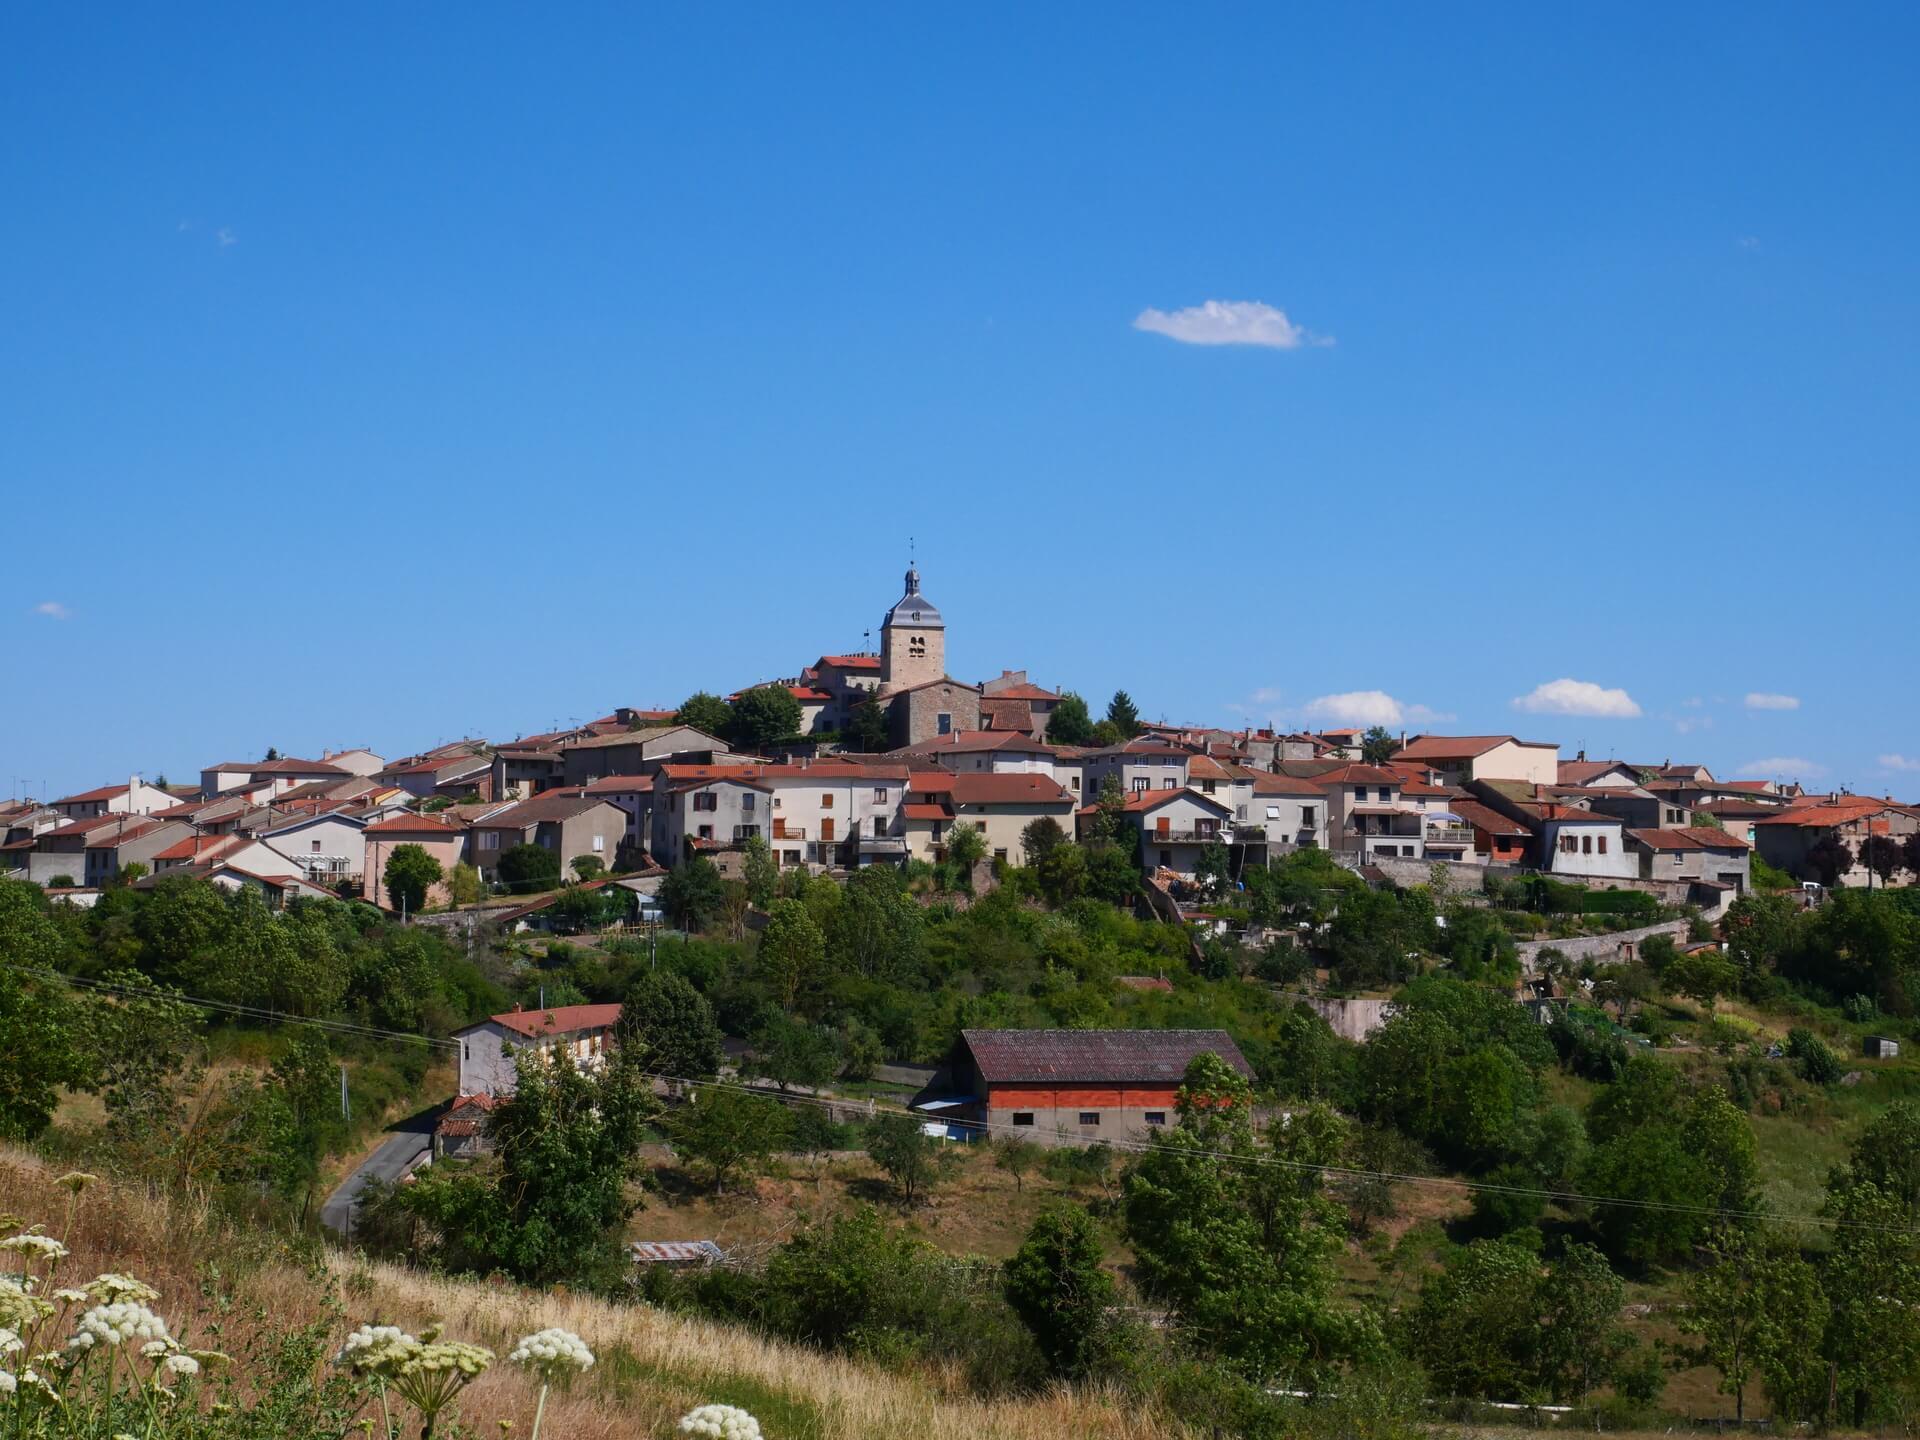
634,791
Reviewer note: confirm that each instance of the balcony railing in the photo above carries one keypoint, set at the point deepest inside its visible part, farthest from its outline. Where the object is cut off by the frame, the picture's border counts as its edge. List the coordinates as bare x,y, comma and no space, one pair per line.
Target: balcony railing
1190,835
1450,835
783,831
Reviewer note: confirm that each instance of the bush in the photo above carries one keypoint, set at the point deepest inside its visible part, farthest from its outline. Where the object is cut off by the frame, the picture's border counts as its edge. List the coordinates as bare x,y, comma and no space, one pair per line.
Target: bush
1815,1059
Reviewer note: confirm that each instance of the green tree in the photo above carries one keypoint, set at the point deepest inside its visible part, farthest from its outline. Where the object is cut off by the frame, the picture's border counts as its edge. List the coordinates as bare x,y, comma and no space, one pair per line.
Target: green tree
463,885
529,869
792,1053
303,1088
45,1042
1040,839
1756,1310
668,1028
1476,1326
1057,1287
551,1203
761,874
1070,723
867,727
692,893
411,872
588,867
873,926
792,952
704,712
1246,1268
1123,715
1062,874
1701,975
1872,1283
728,1131
1378,746
1016,1157
763,715
905,1153
966,846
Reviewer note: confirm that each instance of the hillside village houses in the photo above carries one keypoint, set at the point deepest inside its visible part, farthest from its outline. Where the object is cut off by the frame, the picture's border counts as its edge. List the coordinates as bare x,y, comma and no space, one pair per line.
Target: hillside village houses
635,790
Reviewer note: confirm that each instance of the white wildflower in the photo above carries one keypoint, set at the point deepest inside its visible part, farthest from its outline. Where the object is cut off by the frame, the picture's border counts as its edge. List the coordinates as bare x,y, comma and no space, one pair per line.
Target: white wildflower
35,1246
552,1351
116,1324
180,1365
7,1383
378,1349
20,1310
9,1341
72,1297
720,1422
154,1349
109,1288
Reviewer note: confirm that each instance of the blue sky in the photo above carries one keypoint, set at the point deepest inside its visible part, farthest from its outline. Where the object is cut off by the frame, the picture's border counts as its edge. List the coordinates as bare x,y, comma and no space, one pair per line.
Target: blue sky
379,375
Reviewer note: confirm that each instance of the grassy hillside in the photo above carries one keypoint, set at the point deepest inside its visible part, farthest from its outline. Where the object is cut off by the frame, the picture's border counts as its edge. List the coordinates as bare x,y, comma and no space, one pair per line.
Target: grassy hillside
249,1289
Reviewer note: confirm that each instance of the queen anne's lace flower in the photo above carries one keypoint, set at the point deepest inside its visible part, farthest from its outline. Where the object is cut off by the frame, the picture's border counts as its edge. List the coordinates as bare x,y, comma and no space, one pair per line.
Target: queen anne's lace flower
180,1365
71,1297
154,1349
720,1422
9,1341
35,1246
109,1288
7,1382
77,1180
116,1324
552,1351
448,1357
20,1310
378,1349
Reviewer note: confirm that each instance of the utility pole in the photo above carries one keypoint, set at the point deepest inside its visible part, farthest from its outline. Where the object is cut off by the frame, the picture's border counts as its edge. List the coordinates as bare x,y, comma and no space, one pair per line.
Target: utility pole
346,1112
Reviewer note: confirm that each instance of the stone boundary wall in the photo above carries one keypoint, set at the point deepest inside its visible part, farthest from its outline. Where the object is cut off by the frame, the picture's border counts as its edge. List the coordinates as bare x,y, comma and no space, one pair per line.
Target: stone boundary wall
1622,945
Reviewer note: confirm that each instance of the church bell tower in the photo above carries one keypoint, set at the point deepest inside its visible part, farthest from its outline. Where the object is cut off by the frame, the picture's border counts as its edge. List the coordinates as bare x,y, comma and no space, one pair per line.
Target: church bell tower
913,641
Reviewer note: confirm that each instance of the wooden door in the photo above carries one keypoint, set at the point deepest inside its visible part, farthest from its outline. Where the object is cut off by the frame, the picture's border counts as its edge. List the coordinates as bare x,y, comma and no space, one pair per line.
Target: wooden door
826,827
1162,826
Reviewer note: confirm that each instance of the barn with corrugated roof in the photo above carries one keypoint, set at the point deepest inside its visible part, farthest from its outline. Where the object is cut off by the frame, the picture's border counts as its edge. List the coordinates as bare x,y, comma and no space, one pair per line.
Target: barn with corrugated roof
1076,1086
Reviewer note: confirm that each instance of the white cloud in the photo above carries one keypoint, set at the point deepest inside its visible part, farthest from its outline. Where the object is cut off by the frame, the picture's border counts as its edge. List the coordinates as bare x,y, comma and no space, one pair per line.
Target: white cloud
226,237
1687,724
1577,697
1748,242
1899,762
53,610
1784,767
1693,702
1368,707
1229,322
1766,700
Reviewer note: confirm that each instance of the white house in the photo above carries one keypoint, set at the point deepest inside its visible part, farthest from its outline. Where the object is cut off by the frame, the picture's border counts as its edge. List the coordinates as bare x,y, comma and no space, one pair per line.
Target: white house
1485,757
489,1050
1580,842
136,797
328,848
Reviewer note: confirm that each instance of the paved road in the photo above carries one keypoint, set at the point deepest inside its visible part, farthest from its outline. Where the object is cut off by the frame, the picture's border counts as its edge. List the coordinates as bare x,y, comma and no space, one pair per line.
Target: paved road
389,1162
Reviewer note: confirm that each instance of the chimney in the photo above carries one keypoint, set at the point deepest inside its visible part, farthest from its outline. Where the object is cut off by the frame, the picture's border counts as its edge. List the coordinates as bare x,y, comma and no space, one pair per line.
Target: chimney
1581,756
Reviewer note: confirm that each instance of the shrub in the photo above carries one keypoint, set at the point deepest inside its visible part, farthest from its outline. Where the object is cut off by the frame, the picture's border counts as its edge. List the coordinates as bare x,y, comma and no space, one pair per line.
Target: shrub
1815,1059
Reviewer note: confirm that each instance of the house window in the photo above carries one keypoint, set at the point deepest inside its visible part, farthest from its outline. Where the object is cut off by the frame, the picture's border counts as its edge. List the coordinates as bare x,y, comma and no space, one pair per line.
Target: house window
1360,792
748,801
1167,782
826,801
706,832
943,723
1156,1117
1586,844
917,646
1073,782
316,847
1603,844
1384,794
1089,1117
1307,816
1273,812
1567,845
489,839
1206,787
880,795
1166,859
599,843
1023,1117
1139,784
1000,855
706,800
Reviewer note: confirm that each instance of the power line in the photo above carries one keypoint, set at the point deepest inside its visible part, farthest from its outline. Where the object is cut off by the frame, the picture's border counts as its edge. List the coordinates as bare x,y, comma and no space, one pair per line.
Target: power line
1141,1147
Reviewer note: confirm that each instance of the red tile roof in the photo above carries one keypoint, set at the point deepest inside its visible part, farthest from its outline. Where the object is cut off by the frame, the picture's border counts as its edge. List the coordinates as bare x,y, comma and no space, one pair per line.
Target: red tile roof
1008,790
852,662
1451,747
1287,785
197,847
1023,691
1690,837
1361,775
559,1019
834,770
926,812
412,825
86,797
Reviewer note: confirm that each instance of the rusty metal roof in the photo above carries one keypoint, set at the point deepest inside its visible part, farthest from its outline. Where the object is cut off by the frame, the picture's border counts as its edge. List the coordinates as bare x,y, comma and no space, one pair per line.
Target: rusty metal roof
1096,1056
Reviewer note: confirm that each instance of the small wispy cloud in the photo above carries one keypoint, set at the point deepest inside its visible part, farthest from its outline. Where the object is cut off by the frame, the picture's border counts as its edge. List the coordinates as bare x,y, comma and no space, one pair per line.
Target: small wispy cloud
1748,242
1767,700
1905,764
1687,724
1693,702
1577,697
1369,707
226,237
1784,767
1229,322
53,610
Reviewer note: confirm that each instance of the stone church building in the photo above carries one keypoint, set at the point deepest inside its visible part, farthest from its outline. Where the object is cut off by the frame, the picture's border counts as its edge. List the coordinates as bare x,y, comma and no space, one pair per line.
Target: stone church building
908,678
